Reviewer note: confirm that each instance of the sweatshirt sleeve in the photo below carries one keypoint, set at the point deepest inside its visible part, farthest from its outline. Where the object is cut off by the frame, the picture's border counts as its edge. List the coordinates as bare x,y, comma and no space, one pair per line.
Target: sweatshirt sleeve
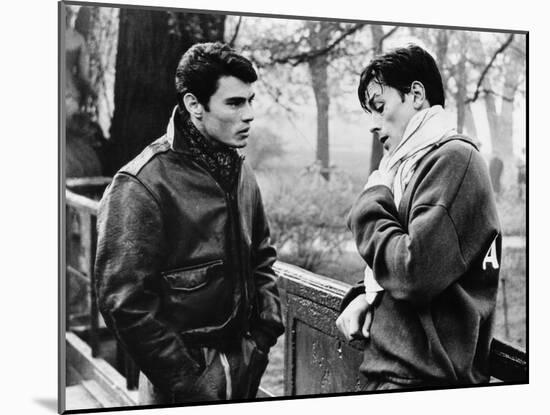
130,250
451,206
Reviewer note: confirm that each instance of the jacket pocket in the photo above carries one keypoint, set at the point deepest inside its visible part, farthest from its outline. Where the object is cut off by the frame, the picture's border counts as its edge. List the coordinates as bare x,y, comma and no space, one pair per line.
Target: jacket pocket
198,296
191,278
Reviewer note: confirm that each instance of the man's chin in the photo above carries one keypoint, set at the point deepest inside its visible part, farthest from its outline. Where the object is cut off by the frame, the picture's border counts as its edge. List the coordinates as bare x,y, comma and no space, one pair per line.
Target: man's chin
240,144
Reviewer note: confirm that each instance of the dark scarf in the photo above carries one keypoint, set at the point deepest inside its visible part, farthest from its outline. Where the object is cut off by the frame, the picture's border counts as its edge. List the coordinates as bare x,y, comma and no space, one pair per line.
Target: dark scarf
221,161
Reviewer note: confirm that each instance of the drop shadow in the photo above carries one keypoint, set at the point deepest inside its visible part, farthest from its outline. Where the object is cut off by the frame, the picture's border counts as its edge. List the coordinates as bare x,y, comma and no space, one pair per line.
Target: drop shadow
48,403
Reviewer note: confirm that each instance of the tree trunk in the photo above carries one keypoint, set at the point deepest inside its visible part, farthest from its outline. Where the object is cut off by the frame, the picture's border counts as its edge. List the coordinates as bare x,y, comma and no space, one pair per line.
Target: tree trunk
506,147
150,45
377,150
501,123
460,96
442,47
318,67
461,87
470,124
99,26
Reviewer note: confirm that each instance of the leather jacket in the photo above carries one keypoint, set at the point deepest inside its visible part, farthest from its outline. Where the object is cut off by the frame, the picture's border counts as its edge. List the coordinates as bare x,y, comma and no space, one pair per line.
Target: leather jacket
181,263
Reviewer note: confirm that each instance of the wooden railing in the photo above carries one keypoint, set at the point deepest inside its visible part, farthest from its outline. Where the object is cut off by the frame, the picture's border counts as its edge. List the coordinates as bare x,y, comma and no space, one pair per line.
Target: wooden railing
317,359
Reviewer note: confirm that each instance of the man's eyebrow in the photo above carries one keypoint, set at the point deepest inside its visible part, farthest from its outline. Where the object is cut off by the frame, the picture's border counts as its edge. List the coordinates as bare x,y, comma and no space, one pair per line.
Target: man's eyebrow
235,99
240,98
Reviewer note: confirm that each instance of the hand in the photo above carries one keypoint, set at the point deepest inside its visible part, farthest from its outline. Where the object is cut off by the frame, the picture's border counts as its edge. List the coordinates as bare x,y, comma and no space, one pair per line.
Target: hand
355,320
381,177
208,386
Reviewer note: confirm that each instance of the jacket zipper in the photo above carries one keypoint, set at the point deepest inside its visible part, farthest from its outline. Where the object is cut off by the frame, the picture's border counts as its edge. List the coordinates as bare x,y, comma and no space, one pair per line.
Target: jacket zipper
233,204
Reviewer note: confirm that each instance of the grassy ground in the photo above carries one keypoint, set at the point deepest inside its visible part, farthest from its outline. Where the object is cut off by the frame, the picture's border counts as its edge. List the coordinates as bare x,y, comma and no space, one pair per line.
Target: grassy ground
273,377
511,323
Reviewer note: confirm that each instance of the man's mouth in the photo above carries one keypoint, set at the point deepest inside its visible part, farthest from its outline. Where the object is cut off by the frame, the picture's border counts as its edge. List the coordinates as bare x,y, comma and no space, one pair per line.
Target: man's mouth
244,131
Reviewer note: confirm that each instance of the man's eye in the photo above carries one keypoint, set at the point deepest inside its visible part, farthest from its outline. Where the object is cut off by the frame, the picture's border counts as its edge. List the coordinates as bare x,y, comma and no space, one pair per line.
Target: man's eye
379,109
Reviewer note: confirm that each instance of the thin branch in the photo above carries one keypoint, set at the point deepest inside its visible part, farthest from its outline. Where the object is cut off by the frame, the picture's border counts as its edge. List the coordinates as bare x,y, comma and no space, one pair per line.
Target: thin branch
486,69
295,60
489,91
385,36
236,32
275,94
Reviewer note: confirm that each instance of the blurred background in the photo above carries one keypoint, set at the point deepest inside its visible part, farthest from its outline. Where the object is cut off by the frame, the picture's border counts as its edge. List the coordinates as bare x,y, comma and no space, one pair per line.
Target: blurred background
310,143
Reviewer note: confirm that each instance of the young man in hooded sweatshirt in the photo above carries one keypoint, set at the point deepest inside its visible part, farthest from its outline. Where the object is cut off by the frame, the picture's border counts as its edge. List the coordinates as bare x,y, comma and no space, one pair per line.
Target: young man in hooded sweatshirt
426,224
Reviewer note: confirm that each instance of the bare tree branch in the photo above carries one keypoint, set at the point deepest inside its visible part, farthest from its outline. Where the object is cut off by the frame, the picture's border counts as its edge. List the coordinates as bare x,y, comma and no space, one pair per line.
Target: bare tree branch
299,58
236,32
386,35
488,66
489,91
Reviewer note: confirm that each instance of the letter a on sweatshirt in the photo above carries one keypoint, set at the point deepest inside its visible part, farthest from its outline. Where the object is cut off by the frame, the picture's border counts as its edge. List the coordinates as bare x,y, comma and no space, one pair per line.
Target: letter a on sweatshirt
491,256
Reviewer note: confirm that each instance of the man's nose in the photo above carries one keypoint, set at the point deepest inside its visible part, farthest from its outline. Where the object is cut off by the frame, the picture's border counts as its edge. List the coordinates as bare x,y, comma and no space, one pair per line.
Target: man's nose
248,113
376,124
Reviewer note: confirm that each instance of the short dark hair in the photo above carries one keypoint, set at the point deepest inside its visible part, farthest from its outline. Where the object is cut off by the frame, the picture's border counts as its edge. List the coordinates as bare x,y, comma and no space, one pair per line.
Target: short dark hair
399,69
201,67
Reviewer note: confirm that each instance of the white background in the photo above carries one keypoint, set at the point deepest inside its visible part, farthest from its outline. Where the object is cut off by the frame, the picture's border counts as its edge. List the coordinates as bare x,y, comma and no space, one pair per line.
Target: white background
28,267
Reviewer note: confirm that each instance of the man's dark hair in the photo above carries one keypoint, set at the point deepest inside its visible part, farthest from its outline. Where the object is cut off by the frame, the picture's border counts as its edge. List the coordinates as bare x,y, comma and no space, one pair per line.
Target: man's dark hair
399,69
201,67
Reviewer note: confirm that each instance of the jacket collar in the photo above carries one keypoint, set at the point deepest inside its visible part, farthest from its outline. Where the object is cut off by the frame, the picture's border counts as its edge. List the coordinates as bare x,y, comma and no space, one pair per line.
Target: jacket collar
173,136
223,162
460,137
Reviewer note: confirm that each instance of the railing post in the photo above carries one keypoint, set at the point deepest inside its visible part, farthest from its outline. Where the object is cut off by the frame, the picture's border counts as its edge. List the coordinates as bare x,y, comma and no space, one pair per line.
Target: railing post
94,312
89,241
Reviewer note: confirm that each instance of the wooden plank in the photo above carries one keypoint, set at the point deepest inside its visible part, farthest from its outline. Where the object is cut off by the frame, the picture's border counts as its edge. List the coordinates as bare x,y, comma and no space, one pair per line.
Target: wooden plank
94,311
79,356
78,397
82,203
263,393
508,363
87,182
319,289
74,273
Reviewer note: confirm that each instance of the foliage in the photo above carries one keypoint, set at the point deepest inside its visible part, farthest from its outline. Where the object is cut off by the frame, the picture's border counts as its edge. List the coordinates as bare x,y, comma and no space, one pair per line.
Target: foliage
280,47
99,26
512,210
511,304
307,216
263,145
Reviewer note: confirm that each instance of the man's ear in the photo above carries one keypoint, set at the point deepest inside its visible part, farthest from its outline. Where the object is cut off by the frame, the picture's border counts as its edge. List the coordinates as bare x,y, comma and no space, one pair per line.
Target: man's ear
419,95
193,106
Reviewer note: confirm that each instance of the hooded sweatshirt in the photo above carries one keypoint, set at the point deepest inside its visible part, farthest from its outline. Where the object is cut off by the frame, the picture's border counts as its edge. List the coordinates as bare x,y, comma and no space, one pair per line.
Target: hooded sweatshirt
437,257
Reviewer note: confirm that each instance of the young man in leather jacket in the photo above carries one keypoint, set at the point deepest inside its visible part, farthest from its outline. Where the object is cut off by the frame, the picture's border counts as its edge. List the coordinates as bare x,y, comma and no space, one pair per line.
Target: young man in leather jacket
184,261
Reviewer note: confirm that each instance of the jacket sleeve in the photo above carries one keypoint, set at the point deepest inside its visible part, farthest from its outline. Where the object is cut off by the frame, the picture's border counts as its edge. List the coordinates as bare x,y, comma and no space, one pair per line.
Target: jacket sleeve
452,222
129,252
269,324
